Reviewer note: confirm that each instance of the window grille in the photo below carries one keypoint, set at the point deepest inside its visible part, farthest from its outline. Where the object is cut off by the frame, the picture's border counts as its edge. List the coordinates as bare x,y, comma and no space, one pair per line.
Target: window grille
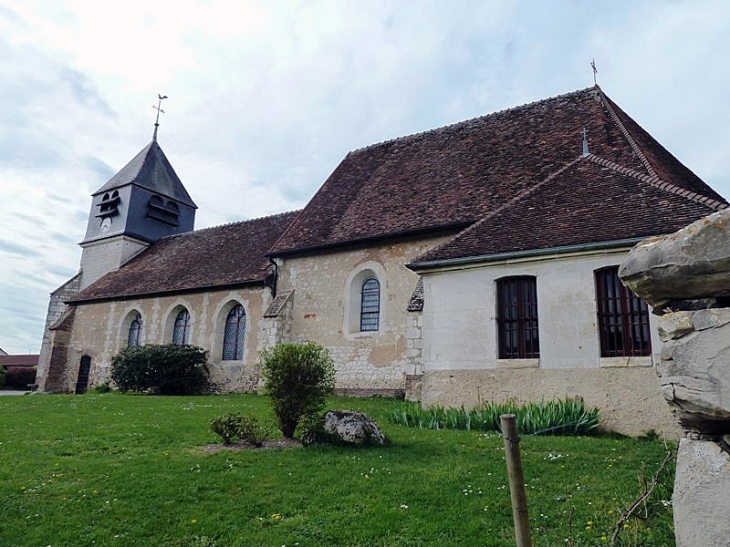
517,318
135,331
234,333
181,331
370,305
623,317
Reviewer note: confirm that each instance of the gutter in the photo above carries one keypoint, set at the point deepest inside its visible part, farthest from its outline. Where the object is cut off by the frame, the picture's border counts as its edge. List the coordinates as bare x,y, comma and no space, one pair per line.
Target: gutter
517,255
172,292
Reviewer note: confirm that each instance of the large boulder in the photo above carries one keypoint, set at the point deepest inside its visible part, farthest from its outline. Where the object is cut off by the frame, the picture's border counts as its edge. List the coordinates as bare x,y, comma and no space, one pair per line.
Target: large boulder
701,496
690,264
352,428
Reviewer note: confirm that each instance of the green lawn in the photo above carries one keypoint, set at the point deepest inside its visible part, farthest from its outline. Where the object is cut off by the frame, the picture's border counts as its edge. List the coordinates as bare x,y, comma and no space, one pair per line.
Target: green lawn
128,470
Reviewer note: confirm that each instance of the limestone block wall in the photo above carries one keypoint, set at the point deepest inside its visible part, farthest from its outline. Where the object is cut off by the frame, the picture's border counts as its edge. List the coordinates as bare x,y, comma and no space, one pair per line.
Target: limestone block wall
56,308
326,309
101,329
460,344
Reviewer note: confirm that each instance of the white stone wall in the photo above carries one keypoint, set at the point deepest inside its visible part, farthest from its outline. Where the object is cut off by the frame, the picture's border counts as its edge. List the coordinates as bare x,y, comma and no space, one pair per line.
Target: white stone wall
460,345
460,328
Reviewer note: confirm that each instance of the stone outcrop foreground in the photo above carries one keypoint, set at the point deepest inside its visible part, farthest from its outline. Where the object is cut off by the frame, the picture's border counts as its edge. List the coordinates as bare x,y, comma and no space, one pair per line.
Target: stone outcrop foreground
694,370
700,496
686,276
353,428
690,264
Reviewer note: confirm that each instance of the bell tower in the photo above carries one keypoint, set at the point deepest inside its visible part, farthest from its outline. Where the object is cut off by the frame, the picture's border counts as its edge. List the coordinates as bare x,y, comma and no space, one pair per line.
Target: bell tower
142,203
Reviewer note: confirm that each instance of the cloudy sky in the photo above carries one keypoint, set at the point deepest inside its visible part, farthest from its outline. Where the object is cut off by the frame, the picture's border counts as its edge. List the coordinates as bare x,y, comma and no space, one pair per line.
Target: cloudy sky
266,97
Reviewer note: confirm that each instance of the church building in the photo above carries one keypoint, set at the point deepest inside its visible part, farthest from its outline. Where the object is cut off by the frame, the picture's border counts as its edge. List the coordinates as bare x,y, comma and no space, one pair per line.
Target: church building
469,263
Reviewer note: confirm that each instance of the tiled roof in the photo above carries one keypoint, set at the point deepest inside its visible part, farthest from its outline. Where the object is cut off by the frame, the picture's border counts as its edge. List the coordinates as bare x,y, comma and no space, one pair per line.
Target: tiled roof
415,303
456,175
152,170
28,360
229,255
591,201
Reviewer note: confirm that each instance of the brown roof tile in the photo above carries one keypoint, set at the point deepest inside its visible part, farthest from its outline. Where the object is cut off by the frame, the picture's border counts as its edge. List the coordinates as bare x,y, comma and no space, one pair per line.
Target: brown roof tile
592,201
233,254
28,360
458,174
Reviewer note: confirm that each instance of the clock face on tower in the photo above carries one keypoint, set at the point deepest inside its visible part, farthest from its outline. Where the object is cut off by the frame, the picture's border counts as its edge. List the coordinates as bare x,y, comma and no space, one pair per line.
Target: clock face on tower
106,223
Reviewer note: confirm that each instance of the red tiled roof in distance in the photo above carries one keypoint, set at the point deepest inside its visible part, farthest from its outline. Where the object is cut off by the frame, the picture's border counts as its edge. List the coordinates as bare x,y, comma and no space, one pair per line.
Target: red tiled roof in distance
458,174
28,360
587,203
229,255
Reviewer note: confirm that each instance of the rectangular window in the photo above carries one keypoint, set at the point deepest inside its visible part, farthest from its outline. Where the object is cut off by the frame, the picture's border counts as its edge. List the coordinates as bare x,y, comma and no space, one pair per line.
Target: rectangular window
623,317
517,318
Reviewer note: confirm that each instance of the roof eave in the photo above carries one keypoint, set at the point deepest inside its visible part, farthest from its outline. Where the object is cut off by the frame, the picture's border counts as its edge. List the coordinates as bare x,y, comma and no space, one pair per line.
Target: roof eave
371,239
530,253
203,288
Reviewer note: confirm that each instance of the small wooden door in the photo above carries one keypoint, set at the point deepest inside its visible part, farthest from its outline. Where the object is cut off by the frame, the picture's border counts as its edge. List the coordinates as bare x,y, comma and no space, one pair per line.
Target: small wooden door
82,383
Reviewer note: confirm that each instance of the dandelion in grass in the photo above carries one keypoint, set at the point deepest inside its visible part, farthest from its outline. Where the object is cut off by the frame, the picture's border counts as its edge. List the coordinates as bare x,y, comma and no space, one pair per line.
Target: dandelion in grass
403,506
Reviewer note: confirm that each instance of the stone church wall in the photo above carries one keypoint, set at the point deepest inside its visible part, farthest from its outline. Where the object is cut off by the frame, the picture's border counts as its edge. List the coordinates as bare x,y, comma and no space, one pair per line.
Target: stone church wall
56,308
326,310
460,354
101,329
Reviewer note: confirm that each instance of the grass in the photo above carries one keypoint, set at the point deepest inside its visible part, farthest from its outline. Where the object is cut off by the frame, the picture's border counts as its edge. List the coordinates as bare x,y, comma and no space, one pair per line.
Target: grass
127,470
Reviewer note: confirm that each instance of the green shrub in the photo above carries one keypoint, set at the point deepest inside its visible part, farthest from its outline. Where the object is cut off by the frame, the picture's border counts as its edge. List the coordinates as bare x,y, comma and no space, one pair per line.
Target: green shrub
162,370
2,376
298,378
251,431
556,417
102,388
311,429
19,377
226,427
244,427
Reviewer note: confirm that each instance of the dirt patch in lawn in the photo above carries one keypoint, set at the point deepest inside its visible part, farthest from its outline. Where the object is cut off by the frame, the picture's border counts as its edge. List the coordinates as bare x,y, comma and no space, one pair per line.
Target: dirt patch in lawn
266,445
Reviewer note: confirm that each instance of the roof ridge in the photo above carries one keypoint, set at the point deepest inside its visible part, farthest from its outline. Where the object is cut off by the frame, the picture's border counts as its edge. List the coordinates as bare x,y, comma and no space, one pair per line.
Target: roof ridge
656,182
634,146
227,224
505,206
470,120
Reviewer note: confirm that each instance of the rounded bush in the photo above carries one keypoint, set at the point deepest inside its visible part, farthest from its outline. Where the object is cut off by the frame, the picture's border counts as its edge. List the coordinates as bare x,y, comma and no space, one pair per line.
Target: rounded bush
19,377
163,370
298,378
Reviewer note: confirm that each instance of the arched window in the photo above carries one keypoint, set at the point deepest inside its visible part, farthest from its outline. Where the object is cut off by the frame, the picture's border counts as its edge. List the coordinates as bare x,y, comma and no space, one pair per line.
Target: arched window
517,318
135,331
623,317
181,330
370,305
234,333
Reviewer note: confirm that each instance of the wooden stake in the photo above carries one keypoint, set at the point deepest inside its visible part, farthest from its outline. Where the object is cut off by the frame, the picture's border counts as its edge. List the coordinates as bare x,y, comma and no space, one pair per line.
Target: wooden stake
516,479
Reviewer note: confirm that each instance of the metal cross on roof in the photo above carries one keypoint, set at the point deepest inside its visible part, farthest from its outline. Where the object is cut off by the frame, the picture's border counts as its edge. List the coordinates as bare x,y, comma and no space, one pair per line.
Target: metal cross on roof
595,70
160,98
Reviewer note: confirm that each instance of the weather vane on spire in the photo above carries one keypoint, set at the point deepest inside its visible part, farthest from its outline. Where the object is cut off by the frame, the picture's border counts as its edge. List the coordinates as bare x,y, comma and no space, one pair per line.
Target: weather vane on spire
595,71
160,98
